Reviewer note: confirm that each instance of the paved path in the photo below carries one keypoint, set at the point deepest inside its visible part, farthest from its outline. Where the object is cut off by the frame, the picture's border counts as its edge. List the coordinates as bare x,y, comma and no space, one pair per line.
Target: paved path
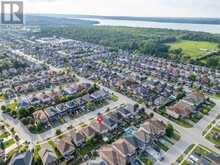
188,135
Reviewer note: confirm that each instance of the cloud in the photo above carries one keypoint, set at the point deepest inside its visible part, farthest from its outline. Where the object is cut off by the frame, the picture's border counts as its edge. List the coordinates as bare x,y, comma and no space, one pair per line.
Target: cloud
172,8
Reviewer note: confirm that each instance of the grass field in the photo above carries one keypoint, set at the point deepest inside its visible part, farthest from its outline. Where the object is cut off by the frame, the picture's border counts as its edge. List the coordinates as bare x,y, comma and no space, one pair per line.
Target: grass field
194,49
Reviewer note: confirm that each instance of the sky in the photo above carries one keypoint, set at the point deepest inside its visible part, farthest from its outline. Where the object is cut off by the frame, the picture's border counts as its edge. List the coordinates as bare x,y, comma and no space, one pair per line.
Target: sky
145,8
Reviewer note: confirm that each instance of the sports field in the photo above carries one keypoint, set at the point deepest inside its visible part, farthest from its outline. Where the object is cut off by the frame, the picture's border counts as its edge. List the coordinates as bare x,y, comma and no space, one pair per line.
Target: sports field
194,49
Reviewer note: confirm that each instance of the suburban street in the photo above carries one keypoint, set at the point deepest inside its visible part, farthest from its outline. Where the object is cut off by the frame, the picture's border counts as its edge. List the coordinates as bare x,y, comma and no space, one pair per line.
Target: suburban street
188,135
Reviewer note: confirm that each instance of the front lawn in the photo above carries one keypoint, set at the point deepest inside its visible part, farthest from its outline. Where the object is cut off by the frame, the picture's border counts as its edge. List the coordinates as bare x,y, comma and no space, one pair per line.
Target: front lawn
181,157
216,96
211,137
5,135
53,145
22,148
145,159
207,107
162,146
114,98
90,145
8,143
180,122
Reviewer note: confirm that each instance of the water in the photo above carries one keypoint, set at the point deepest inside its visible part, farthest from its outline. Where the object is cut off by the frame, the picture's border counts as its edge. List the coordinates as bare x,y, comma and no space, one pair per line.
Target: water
129,131
147,24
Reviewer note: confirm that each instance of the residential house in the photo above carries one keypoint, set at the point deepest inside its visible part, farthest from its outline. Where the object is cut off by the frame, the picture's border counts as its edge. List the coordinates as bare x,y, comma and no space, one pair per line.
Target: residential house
80,102
45,99
111,124
111,156
70,90
143,139
100,128
180,110
47,155
78,138
65,146
23,102
52,114
209,159
124,112
124,148
195,99
97,161
35,101
133,109
40,117
116,116
99,95
154,128
25,158
72,106
62,108
87,98
162,101
89,132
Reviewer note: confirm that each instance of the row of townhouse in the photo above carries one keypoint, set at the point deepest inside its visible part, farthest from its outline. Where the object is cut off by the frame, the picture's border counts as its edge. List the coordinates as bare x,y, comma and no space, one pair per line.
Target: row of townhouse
53,113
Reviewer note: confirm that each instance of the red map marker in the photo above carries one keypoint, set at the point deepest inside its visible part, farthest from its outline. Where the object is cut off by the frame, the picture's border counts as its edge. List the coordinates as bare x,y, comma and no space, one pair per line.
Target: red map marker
99,119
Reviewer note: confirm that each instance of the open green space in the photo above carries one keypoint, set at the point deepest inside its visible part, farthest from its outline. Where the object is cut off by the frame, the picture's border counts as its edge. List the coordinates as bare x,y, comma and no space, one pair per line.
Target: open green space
194,49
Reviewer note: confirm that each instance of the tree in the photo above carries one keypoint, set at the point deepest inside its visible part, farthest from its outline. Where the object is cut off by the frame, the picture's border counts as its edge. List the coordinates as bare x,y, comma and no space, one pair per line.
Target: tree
3,108
142,110
90,105
169,130
151,115
212,62
192,77
23,113
136,106
58,132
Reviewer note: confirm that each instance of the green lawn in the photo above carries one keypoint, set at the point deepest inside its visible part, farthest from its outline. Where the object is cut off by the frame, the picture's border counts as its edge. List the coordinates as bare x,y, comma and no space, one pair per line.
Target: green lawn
201,150
36,150
176,135
145,159
20,148
162,146
53,145
114,98
216,96
4,135
181,157
194,49
8,143
180,122
210,136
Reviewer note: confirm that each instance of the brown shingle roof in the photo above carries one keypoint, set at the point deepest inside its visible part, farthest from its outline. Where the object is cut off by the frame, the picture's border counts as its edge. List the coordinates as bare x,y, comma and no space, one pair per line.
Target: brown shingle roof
40,115
154,127
78,137
64,146
111,156
88,131
124,147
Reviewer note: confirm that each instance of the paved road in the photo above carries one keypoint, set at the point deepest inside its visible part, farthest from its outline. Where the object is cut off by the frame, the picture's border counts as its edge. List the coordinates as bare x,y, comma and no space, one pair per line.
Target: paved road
191,136
188,135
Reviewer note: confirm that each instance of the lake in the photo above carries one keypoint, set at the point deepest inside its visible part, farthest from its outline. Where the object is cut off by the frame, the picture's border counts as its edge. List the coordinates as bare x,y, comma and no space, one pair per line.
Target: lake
176,26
